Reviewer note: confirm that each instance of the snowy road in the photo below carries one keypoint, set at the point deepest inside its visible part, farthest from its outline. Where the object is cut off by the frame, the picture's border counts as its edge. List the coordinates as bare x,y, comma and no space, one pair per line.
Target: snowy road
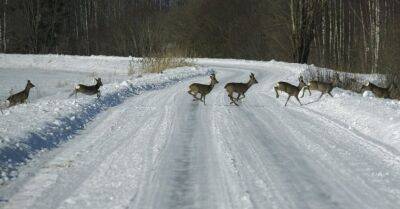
160,150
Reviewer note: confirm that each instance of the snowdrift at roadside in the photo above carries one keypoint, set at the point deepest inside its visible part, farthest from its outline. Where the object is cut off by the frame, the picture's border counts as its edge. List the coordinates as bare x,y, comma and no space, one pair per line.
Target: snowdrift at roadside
28,129
374,118
97,64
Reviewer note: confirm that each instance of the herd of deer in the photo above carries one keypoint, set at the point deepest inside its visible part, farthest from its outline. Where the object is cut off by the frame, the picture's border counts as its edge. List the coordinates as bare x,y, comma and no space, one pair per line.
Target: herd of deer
290,89
238,88
22,96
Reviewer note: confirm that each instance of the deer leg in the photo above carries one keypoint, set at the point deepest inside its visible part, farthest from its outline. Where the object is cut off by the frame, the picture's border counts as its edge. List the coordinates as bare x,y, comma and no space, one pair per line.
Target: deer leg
233,102
298,100
238,97
204,99
322,94
287,100
304,89
232,99
194,96
276,90
330,94
201,96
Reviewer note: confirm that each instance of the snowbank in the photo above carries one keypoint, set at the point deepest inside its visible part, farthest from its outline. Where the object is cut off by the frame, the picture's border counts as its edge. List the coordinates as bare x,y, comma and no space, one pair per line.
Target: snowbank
98,64
235,63
374,119
28,129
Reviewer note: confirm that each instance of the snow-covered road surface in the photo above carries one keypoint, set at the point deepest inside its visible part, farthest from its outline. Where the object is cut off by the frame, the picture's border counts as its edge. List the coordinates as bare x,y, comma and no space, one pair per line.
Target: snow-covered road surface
161,150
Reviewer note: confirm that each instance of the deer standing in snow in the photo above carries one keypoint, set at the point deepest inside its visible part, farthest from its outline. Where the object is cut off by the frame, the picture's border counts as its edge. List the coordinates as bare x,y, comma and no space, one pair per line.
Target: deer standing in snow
239,88
202,89
323,87
378,91
20,97
88,90
290,89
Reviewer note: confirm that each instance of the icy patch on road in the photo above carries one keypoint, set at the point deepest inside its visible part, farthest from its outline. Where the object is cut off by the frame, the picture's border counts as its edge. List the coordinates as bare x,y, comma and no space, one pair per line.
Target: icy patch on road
31,128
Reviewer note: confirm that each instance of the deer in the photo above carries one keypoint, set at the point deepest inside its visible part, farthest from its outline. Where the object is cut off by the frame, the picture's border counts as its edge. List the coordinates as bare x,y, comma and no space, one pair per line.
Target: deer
290,89
323,87
239,88
20,97
88,90
378,91
202,89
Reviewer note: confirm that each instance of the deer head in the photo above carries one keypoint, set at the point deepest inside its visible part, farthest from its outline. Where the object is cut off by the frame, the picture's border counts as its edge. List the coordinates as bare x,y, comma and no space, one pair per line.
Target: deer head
98,82
252,80
29,85
213,79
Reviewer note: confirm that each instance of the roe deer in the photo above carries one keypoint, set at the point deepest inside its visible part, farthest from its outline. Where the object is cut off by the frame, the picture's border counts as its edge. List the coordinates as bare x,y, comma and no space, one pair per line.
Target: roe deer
290,89
323,87
378,91
239,88
21,96
88,90
202,89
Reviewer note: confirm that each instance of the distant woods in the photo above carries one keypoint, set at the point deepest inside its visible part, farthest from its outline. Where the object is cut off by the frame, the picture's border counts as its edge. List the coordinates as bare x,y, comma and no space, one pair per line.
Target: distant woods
350,35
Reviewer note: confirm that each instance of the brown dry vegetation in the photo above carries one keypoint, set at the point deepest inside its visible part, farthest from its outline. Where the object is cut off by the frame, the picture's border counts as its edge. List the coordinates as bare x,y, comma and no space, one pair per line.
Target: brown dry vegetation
158,62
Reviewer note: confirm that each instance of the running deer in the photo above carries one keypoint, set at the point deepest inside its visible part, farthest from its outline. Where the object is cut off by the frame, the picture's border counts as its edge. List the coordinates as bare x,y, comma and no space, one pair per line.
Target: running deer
378,91
323,87
202,89
88,90
290,89
239,88
21,96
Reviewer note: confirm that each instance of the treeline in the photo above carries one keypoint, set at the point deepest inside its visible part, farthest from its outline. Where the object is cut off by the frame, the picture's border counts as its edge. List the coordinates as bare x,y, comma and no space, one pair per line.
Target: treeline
351,35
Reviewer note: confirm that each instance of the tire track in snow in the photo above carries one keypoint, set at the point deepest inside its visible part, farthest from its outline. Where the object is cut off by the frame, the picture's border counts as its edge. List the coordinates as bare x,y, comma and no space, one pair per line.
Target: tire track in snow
340,149
93,152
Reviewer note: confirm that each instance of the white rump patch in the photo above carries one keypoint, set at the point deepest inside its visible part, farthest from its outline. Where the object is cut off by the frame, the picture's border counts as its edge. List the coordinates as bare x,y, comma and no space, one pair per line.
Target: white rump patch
4,104
277,85
77,87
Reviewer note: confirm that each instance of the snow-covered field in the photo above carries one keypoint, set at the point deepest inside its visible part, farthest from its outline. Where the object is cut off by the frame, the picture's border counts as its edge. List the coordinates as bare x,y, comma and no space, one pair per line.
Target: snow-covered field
146,144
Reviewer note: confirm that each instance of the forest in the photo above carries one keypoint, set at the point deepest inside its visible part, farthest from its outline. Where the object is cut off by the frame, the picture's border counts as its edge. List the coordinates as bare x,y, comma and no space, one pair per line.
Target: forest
347,35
